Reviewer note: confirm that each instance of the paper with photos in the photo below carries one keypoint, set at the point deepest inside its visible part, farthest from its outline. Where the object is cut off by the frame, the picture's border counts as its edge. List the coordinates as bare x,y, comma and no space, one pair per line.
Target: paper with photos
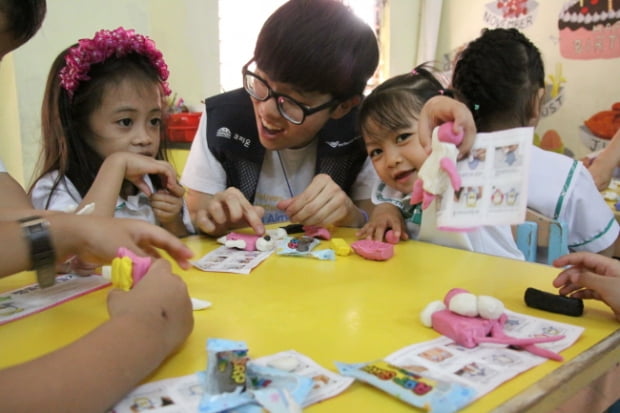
494,182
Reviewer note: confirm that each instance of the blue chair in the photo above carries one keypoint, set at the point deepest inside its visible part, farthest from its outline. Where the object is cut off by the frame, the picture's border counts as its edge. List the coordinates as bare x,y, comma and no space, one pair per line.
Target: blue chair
541,239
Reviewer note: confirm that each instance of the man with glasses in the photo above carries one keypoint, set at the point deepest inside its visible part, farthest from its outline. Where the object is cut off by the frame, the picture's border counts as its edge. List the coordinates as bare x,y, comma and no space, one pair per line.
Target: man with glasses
286,145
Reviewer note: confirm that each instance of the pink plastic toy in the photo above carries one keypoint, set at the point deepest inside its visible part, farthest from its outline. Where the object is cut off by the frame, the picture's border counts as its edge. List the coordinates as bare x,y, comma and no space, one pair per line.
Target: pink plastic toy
317,232
471,330
247,242
439,170
373,250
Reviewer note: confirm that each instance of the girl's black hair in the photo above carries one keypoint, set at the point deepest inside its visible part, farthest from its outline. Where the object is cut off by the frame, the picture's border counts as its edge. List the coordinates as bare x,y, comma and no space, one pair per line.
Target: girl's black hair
396,101
498,76
23,16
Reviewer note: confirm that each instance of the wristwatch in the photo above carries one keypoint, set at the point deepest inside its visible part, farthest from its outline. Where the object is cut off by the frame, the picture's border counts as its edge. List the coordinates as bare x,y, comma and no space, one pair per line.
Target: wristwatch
42,255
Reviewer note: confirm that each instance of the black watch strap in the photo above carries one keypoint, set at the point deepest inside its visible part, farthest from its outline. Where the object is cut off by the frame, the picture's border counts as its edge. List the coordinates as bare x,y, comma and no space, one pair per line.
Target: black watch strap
42,255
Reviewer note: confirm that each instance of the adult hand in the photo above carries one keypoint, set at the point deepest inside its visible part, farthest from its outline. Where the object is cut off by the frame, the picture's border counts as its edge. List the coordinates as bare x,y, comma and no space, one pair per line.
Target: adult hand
323,202
225,210
384,217
160,300
590,276
96,239
441,109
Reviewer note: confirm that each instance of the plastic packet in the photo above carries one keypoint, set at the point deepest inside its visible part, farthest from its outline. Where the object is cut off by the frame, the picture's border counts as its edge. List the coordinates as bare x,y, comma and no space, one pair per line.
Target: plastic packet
419,391
302,246
268,388
226,366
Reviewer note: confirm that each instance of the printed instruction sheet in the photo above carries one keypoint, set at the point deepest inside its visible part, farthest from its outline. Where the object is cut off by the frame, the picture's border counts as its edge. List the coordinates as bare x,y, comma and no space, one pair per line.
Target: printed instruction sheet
32,299
224,259
486,366
494,181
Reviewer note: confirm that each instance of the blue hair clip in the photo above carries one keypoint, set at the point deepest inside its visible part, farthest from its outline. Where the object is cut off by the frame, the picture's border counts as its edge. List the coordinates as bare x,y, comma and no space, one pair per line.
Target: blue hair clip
476,107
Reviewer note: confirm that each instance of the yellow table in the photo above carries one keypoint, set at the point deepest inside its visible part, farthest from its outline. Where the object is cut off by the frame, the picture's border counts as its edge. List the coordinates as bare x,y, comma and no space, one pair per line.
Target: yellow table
350,310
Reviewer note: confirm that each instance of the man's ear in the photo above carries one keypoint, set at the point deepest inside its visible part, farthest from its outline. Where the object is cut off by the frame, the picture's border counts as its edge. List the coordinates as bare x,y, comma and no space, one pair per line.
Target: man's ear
536,107
345,107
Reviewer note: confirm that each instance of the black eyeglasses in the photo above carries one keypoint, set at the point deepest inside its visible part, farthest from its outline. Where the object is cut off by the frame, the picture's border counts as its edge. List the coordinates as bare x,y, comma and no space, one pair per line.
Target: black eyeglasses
288,107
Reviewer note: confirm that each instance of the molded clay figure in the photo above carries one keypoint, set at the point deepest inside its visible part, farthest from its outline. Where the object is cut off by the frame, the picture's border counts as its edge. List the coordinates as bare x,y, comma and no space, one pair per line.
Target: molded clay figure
247,242
439,170
470,320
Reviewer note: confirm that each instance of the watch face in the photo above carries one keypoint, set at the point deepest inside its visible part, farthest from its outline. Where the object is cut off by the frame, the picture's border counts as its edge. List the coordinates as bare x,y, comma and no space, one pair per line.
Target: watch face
46,277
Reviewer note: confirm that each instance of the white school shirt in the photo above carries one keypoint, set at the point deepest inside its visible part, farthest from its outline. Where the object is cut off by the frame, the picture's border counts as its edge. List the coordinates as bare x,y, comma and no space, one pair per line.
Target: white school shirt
562,188
66,198
204,173
493,240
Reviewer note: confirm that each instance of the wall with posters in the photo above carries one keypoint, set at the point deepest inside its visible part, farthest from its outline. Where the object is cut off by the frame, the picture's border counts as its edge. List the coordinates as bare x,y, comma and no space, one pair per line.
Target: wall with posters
580,44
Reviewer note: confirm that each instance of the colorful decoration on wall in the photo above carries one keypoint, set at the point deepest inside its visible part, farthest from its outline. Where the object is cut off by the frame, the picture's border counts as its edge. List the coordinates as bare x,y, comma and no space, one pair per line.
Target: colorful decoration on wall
599,128
551,141
517,14
590,29
554,92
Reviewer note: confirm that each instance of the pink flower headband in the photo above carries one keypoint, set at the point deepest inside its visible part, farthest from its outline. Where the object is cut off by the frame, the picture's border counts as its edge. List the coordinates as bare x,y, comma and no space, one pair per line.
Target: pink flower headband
106,44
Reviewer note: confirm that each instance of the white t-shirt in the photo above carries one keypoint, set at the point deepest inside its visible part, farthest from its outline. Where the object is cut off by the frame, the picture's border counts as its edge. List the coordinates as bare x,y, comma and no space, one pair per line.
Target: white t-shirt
493,240
562,188
66,198
204,173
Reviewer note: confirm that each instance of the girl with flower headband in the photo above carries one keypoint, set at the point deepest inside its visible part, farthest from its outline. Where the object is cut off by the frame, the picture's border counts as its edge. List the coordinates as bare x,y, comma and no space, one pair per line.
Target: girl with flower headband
102,133
389,124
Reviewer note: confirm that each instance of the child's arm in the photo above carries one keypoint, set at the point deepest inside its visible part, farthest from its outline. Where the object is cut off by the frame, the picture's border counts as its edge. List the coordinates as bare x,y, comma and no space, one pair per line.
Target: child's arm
323,202
384,217
216,214
92,239
91,374
590,275
602,167
168,208
117,167
13,195
441,109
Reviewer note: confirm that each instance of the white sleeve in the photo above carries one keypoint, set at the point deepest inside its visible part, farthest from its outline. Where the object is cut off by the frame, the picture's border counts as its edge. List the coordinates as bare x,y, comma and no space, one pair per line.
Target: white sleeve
65,197
2,167
203,172
366,180
591,223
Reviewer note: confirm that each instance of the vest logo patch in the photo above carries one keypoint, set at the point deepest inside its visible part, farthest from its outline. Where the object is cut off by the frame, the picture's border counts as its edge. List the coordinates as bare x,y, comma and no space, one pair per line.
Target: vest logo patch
339,144
224,132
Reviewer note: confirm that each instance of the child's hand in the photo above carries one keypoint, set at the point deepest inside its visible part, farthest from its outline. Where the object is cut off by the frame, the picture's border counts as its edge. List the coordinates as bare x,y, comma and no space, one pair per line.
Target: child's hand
136,166
160,301
167,206
590,275
441,109
225,210
96,239
384,217
323,202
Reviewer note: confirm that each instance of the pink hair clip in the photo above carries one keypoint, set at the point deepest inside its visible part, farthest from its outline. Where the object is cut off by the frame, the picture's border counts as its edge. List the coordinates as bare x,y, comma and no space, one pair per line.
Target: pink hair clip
106,44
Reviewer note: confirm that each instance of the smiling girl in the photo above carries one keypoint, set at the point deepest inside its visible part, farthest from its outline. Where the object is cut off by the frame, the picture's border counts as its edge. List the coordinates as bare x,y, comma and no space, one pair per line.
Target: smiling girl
389,124
101,122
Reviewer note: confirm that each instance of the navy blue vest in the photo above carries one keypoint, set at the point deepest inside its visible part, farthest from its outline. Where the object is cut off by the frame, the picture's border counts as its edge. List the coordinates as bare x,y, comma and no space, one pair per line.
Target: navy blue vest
233,139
